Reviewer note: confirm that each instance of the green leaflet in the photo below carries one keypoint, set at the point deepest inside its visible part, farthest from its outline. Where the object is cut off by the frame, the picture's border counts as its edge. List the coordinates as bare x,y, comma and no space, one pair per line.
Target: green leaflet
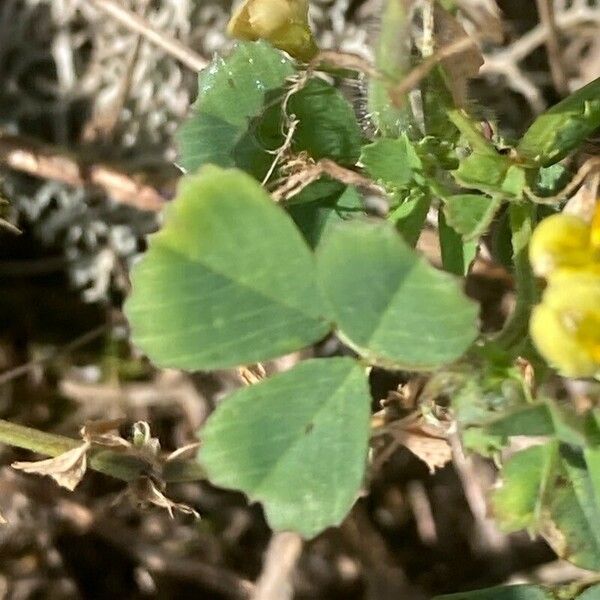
227,281
392,162
548,489
470,215
457,254
232,93
563,127
297,442
388,302
327,126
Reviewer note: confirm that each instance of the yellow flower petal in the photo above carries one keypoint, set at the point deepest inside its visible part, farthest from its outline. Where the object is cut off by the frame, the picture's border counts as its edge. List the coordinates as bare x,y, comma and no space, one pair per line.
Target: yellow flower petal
565,327
560,241
283,23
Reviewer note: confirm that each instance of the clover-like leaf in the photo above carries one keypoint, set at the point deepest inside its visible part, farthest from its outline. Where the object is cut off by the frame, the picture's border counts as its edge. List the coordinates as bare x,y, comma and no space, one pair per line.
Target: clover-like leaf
297,442
227,281
388,302
232,93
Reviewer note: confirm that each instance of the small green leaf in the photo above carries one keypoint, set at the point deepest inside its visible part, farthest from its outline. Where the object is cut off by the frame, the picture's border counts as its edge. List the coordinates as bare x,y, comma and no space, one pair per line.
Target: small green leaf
297,442
410,216
391,162
504,592
518,503
227,281
563,127
388,302
470,215
457,255
231,93
327,125
550,180
490,173
575,513
549,489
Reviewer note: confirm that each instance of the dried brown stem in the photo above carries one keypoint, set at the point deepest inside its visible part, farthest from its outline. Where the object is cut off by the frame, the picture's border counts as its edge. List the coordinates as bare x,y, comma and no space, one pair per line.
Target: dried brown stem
555,61
311,171
50,162
398,92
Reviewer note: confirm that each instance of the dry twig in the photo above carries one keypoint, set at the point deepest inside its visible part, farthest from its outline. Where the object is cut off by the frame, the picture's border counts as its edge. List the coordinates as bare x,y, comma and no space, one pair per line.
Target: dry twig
134,22
49,162
555,61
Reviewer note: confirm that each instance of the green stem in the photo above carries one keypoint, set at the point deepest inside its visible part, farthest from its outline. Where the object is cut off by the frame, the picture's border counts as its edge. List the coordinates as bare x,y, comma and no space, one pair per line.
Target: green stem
116,464
516,328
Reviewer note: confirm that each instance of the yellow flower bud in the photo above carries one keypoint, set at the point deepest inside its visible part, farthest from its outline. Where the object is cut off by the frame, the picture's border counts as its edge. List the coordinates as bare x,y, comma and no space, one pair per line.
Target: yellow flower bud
283,23
565,327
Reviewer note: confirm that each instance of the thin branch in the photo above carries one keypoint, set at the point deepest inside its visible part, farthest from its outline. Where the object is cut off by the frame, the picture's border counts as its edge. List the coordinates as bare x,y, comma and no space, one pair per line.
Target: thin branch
398,92
116,464
555,61
134,22
50,162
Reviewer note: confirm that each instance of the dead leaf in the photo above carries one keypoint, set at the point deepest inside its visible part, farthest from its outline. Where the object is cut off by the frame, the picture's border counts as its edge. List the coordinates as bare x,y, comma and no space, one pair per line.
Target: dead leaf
67,469
252,374
426,439
485,16
145,491
104,433
460,66
433,451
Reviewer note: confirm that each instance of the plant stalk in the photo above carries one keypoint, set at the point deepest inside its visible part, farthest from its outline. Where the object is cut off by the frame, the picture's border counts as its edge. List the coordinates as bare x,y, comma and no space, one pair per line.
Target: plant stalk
116,464
517,325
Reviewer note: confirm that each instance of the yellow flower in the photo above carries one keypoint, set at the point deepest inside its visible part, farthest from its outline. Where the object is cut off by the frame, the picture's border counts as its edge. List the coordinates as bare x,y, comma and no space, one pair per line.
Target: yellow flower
565,326
283,23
